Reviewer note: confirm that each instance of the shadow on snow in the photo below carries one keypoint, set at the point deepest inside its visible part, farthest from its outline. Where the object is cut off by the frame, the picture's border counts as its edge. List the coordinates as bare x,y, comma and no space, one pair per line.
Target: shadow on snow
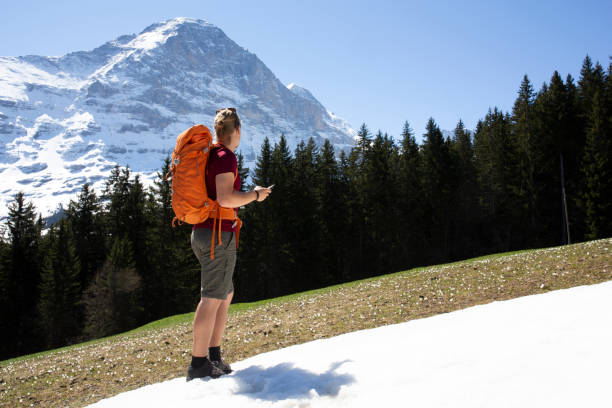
285,381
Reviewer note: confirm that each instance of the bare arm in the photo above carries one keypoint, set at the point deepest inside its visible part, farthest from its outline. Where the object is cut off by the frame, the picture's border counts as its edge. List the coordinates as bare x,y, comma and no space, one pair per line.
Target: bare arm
228,197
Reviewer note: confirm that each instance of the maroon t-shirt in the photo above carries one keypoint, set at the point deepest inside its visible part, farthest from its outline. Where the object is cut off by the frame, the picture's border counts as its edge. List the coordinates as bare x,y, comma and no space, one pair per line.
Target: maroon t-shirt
221,160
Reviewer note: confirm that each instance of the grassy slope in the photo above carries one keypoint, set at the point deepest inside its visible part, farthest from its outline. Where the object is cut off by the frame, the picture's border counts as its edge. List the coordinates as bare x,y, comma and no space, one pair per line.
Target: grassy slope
82,374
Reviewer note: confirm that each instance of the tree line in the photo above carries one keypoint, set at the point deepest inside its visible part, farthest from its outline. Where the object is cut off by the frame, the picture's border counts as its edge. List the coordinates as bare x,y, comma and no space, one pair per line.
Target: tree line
540,175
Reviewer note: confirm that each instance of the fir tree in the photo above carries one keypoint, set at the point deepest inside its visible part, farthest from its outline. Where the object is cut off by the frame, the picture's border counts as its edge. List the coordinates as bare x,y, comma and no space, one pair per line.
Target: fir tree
380,194
59,301
597,168
465,218
255,236
523,117
572,150
88,229
364,140
591,80
436,171
114,198
332,214
355,254
281,260
112,300
243,172
554,121
137,224
126,219
410,200
23,276
262,167
305,230
496,165
6,322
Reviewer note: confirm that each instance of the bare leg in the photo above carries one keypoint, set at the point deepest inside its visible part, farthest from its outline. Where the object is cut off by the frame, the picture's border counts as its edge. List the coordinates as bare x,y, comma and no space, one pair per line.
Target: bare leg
220,321
204,324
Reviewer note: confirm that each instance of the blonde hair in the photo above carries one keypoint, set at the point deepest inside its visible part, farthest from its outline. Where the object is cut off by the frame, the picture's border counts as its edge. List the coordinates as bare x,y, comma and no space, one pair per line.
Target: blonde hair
226,121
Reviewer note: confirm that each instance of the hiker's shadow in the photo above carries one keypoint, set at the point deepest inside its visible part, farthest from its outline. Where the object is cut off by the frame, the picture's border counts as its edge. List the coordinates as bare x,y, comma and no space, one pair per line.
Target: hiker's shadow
285,381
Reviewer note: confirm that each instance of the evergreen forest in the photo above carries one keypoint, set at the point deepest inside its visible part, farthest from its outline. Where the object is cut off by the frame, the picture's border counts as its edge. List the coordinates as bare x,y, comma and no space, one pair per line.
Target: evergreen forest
538,176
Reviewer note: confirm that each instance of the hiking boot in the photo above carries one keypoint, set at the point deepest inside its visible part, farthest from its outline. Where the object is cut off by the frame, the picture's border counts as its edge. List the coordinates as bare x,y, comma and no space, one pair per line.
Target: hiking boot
206,370
222,365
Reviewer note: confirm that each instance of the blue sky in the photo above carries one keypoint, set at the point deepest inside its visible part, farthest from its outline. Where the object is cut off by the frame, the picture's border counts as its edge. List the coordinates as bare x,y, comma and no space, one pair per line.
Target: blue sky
374,62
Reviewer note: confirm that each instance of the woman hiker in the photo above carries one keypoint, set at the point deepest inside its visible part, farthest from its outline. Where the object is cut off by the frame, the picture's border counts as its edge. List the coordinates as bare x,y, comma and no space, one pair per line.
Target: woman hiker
223,184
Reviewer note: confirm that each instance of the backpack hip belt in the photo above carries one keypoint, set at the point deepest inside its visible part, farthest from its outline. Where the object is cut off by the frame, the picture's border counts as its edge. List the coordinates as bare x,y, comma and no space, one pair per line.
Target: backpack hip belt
219,214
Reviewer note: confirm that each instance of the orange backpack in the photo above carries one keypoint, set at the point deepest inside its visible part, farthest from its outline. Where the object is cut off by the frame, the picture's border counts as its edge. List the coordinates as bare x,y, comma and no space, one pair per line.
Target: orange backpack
190,200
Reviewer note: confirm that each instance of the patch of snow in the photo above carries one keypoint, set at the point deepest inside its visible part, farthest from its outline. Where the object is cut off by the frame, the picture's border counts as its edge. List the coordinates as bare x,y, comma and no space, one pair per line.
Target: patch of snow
16,74
341,124
547,350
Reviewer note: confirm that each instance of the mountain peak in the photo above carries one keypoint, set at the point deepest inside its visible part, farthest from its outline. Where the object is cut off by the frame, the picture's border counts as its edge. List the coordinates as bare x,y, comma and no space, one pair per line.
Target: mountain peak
66,121
158,33
175,23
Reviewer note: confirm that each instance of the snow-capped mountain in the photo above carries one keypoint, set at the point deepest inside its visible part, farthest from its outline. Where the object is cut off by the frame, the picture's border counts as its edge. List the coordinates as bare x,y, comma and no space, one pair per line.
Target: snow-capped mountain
68,120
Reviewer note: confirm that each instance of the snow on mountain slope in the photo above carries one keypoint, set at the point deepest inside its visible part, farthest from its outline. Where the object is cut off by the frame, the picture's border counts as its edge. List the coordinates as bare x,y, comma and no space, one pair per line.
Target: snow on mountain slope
68,120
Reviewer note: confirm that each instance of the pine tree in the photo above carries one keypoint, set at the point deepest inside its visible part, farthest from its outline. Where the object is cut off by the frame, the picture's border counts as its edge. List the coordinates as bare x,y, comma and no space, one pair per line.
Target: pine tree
243,172
410,200
523,129
6,323
554,121
597,169
608,88
364,140
23,277
380,194
465,211
572,150
85,217
126,218
351,175
436,171
116,195
262,168
112,301
305,230
499,179
593,109
256,237
332,213
591,80
281,262
58,305
137,226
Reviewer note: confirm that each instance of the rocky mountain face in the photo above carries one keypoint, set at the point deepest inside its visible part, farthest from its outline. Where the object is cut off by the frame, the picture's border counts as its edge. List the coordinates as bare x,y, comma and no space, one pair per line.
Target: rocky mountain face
68,120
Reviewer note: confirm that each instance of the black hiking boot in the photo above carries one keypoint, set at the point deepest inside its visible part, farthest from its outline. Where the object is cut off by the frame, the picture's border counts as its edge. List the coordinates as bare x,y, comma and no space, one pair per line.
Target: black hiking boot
222,365
207,370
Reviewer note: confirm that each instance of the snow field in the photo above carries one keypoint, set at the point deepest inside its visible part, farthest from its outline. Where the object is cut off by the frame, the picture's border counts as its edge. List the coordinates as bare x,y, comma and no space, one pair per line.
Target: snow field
547,350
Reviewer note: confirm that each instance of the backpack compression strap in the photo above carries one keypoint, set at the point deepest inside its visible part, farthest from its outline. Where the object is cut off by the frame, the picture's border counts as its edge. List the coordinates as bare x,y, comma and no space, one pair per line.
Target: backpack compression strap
220,214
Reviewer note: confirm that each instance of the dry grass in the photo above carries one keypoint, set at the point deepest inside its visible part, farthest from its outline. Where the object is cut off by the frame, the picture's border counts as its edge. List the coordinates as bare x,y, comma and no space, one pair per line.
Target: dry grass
85,374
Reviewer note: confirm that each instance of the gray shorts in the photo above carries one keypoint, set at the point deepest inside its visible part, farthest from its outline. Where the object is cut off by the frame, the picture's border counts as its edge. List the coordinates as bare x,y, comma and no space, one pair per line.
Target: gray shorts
216,277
